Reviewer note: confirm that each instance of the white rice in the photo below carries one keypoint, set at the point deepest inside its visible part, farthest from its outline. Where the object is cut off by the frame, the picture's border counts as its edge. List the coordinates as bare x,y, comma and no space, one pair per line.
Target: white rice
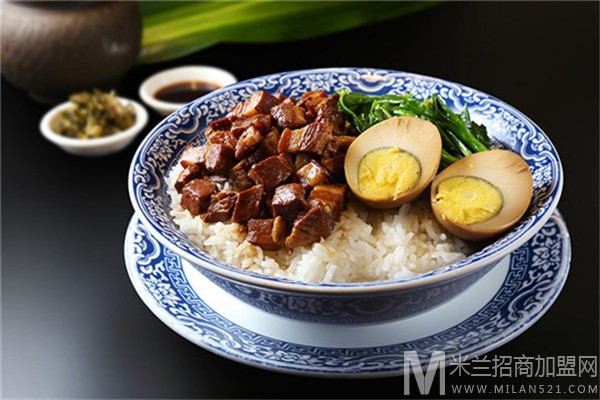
366,245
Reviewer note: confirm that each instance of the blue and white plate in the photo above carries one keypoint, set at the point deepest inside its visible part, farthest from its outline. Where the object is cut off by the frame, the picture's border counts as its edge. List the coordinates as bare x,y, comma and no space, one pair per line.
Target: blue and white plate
497,308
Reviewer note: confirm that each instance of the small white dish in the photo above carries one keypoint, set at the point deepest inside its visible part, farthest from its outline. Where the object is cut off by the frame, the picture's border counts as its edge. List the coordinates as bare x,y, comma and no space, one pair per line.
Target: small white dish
162,79
98,146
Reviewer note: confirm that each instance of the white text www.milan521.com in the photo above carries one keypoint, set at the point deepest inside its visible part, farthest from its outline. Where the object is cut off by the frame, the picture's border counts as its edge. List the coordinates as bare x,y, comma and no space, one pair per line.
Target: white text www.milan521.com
524,389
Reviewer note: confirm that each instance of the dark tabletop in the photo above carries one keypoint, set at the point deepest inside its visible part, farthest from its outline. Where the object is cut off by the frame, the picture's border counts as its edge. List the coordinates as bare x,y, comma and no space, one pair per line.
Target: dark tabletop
74,327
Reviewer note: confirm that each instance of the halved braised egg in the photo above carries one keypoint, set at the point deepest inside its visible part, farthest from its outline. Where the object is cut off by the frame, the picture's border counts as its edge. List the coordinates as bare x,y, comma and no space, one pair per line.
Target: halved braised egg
392,162
483,194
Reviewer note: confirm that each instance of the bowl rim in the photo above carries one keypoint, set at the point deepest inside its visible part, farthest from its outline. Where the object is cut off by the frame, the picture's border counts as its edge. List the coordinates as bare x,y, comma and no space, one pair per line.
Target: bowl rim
227,78
446,273
141,119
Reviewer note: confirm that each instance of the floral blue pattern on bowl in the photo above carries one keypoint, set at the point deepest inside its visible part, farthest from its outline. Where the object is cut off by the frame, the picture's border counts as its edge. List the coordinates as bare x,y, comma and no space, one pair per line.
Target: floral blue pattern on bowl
533,280
350,308
161,148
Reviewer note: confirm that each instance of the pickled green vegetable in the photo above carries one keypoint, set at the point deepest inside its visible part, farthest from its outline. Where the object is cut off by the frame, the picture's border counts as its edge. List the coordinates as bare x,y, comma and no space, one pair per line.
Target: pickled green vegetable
94,114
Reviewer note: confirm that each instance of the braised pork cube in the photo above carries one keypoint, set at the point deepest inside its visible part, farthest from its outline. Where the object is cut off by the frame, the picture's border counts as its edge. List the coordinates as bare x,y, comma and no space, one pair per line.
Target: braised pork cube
324,206
288,201
302,159
220,207
223,124
259,154
289,115
313,138
236,111
247,142
266,208
335,166
312,99
272,171
261,122
248,204
280,96
219,158
310,226
328,112
217,179
312,174
222,137
271,140
239,126
342,142
267,233
331,197
238,177
187,174
259,103
193,155
195,196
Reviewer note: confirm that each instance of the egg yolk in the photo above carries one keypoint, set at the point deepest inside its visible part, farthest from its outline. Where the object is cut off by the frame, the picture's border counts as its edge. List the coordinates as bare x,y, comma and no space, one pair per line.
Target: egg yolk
387,172
468,200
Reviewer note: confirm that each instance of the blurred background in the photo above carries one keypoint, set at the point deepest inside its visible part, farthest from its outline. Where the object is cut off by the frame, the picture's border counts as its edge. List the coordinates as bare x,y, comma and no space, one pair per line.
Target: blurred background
53,48
73,326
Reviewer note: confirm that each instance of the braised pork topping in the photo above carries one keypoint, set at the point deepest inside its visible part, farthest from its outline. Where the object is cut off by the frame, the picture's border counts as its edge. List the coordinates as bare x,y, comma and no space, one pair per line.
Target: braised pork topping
272,166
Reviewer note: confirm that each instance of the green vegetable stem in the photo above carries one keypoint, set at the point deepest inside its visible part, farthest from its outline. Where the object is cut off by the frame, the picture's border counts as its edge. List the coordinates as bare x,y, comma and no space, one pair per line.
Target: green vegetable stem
460,135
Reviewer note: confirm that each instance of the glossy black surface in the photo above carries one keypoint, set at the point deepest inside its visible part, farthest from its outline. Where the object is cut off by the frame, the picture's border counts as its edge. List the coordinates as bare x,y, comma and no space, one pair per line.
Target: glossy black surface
72,324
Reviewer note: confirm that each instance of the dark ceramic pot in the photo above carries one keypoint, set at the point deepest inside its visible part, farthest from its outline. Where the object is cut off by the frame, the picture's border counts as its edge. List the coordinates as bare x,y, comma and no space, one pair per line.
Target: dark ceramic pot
53,48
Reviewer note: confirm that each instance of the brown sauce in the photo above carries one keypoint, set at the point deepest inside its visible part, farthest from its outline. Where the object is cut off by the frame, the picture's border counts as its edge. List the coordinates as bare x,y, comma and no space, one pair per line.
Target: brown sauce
184,92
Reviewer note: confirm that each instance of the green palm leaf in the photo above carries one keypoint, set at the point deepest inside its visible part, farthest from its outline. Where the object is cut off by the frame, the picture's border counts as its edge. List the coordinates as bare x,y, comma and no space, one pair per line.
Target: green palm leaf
173,29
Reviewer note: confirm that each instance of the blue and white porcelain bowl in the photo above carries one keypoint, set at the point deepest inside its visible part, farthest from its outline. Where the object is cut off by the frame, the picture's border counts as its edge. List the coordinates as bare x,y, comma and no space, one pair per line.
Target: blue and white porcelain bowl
353,303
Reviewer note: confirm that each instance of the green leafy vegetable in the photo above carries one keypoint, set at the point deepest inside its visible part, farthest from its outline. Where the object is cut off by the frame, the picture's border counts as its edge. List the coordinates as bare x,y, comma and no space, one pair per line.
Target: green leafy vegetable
460,135
175,28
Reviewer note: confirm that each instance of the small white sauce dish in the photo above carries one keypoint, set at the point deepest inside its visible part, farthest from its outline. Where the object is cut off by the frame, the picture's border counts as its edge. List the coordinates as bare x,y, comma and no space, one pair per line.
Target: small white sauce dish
217,76
98,146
